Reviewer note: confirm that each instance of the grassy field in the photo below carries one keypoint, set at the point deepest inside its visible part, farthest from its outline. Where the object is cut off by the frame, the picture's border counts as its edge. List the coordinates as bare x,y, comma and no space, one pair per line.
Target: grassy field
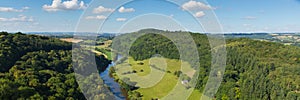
156,77
100,53
105,49
106,44
72,40
196,95
102,49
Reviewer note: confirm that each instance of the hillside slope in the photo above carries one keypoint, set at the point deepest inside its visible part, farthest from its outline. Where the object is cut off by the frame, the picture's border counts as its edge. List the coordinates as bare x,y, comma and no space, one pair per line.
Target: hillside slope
37,67
254,70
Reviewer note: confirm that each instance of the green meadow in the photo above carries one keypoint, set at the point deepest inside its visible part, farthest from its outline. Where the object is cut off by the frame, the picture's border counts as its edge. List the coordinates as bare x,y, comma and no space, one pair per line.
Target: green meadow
157,77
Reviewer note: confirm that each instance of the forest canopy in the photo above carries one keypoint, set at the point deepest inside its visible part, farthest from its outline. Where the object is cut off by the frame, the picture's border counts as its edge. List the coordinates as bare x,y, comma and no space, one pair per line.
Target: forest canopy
38,67
255,69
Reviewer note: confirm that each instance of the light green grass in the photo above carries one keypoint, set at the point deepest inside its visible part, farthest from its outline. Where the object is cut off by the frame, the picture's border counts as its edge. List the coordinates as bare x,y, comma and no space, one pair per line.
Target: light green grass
196,95
165,85
107,53
145,67
105,49
162,81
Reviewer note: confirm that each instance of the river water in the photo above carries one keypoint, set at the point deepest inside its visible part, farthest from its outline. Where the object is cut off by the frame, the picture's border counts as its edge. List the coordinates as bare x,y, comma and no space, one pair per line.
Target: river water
109,81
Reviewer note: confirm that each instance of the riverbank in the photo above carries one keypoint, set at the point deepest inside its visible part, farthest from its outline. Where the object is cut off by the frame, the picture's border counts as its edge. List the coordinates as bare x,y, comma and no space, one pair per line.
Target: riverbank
110,82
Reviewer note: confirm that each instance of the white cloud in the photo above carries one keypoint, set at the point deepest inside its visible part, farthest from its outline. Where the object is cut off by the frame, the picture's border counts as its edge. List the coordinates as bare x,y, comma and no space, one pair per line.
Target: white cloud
171,16
121,19
20,18
199,14
9,9
3,19
98,17
25,8
194,5
102,9
249,18
124,10
58,5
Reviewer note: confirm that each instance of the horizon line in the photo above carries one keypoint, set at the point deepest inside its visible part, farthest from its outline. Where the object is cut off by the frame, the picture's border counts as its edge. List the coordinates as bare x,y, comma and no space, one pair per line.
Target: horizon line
137,31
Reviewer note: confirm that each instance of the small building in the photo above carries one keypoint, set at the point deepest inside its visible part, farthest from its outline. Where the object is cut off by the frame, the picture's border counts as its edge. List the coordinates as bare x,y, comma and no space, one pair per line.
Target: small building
184,82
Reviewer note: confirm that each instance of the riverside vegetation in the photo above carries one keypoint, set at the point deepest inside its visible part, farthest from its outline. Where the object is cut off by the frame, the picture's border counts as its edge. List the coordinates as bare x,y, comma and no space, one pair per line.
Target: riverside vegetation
38,67
254,69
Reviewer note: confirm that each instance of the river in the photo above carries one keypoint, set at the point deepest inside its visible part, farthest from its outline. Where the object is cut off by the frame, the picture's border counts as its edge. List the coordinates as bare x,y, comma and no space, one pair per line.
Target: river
109,81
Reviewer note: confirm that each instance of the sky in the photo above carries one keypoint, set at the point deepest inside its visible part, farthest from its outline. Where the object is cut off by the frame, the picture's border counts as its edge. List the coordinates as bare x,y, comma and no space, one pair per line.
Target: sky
112,16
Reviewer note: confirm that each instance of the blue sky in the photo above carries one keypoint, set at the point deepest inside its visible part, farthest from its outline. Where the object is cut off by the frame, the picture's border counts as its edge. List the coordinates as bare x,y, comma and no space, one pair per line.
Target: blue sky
64,15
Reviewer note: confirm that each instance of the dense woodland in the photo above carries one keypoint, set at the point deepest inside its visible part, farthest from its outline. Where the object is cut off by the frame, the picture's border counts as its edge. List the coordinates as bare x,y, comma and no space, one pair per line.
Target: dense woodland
14,46
255,70
37,67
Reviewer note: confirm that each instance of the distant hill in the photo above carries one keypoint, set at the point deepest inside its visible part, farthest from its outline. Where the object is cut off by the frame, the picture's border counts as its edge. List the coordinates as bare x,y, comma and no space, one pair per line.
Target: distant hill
70,34
150,30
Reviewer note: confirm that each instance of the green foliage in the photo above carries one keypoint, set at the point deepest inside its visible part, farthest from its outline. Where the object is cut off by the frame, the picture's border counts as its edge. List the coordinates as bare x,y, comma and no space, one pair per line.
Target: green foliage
14,46
254,70
36,67
41,75
143,47
107,52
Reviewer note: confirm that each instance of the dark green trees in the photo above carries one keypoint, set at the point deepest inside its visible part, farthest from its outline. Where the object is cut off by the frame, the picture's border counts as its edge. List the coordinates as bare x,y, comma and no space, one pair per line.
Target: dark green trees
36,67
14,46
255,69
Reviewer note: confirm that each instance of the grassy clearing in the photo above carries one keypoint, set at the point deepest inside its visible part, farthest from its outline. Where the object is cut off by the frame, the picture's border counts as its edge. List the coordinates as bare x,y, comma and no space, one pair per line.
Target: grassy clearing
104,49
157,77
106,44
196,95
99,53
72,40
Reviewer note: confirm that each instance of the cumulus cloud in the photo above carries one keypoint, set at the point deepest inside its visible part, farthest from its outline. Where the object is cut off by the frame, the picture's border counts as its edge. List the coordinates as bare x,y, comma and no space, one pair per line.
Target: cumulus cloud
98,17
199,14
124,10
10,9
249,18
194,5
58,5
121,19
102,9
25,8
20,18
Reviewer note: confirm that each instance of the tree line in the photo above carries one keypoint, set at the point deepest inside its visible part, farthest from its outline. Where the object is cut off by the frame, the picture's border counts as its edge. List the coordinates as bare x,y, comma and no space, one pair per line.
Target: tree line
255,69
